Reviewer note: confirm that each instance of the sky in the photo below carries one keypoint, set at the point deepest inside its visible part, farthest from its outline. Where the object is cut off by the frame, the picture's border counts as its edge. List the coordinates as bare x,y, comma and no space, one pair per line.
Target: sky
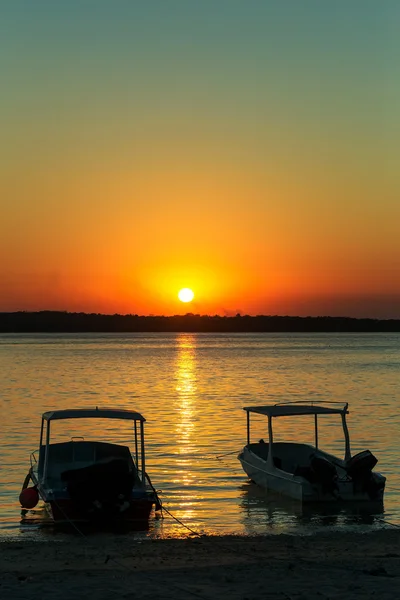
248,150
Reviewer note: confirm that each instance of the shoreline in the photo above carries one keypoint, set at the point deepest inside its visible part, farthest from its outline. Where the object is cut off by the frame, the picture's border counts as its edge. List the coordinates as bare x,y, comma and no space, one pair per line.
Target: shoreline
325,565
58,322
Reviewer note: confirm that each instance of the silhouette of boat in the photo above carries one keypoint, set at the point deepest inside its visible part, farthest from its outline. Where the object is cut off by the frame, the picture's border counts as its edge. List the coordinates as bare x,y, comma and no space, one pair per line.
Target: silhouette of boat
91,481
304,472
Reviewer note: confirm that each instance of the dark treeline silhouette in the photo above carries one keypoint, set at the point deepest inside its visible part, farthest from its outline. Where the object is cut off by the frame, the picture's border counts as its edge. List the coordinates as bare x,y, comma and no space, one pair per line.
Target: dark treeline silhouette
65,322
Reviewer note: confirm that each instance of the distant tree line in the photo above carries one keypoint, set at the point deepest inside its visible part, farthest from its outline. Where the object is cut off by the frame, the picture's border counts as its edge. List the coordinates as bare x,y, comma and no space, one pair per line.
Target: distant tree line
65,322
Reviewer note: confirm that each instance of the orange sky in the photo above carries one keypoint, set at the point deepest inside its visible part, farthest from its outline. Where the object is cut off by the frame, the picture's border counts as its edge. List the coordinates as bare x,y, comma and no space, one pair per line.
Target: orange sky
258,170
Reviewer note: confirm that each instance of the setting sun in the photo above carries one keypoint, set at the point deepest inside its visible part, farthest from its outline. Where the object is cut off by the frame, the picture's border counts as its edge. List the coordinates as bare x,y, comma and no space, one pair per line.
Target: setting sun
185,295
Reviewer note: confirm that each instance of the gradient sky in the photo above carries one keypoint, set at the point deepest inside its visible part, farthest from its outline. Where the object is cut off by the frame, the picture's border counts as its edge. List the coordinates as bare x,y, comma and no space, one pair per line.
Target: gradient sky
246,149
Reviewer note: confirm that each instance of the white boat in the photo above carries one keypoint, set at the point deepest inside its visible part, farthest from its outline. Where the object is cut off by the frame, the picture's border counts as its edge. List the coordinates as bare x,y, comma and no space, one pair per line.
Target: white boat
82,480
303,471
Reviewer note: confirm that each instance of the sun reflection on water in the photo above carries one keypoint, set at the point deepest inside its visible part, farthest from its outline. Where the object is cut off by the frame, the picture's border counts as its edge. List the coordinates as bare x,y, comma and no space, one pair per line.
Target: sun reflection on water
186,388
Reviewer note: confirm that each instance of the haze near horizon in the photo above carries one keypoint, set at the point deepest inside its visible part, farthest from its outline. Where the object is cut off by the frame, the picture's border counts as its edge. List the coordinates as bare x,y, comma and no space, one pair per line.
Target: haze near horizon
247,151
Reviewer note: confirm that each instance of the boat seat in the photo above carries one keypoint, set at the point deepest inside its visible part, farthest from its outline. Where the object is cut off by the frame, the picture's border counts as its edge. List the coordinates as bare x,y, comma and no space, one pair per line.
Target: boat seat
287,456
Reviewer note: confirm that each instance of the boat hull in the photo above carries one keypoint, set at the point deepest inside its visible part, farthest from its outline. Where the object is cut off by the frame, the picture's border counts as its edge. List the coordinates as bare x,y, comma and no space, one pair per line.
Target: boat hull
64,510
274,479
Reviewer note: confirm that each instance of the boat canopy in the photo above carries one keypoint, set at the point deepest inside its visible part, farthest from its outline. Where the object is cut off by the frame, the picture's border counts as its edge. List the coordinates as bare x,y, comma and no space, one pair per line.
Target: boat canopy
288,410
93,413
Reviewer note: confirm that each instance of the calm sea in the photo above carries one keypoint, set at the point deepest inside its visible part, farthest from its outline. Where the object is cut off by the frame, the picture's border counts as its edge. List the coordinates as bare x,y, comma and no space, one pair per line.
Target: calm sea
191,388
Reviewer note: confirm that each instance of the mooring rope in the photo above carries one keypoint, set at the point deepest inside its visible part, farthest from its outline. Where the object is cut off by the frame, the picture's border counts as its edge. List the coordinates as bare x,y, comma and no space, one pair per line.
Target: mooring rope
127,568
162,508
388,523
183,524
226,454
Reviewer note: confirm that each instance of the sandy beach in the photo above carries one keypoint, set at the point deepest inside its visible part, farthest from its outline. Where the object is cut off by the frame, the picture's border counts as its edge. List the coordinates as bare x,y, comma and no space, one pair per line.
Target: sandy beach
333,565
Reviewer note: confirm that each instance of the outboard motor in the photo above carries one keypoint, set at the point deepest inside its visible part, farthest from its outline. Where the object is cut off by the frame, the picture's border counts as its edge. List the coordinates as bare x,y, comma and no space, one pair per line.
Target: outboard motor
361,464
359,468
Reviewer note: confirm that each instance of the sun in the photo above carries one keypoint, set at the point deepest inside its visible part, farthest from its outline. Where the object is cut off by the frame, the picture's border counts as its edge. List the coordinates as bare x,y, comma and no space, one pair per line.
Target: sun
185,295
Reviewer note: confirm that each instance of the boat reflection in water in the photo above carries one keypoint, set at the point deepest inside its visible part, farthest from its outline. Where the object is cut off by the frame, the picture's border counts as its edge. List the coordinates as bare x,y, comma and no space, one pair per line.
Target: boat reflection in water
273,513
40,518
36,517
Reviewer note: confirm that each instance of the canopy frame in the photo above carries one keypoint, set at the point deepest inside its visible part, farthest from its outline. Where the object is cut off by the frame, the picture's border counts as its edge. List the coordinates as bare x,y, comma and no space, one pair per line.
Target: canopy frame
93,413
300,408
98,413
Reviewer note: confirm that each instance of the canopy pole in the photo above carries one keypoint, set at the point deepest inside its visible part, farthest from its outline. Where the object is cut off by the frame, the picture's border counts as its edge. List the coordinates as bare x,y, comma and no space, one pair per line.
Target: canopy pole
142,453
270,441
347,453
248,427
46,456
136,445
41,434
316,430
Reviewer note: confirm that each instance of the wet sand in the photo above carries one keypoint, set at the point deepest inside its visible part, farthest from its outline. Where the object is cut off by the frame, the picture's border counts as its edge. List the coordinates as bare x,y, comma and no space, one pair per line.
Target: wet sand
330,565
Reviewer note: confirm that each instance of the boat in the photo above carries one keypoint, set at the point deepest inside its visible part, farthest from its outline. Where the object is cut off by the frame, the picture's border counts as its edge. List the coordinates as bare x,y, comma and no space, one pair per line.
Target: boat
304,472
90,481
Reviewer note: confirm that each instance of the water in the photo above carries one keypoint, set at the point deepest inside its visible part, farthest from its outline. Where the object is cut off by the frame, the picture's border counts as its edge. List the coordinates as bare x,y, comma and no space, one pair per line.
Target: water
191,389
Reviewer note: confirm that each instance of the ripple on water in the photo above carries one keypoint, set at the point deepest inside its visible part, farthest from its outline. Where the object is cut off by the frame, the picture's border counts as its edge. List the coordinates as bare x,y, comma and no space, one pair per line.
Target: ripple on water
191,389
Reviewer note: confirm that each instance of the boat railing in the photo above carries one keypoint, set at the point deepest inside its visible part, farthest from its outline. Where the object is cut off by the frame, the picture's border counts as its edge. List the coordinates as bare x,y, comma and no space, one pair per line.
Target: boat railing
33,458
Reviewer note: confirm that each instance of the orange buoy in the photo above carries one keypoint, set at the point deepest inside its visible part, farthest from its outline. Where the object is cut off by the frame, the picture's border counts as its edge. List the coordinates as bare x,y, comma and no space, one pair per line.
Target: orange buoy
29,497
